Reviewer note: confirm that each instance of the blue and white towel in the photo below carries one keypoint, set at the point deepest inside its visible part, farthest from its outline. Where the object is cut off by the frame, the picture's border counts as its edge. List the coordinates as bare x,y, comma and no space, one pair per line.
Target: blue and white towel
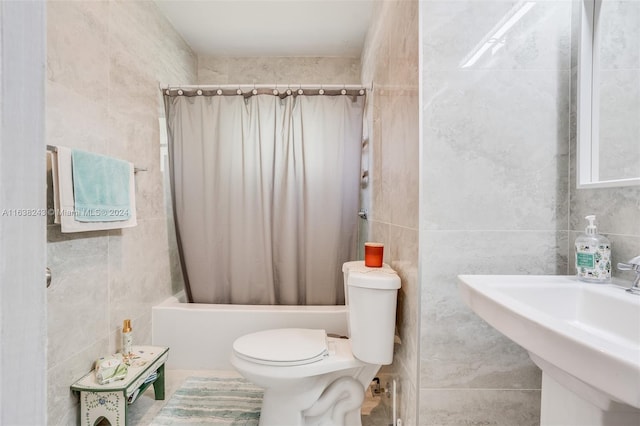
100,187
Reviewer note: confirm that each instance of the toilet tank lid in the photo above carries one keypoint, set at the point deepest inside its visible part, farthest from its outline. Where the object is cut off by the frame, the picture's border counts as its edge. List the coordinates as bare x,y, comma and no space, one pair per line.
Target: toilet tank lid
375,278
358,266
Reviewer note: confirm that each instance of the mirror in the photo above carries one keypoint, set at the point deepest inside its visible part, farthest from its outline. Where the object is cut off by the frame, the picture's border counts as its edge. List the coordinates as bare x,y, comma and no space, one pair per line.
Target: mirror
609,94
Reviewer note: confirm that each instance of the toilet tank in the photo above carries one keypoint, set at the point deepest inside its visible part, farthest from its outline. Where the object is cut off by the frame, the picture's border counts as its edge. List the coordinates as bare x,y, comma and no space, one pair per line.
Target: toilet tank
371,295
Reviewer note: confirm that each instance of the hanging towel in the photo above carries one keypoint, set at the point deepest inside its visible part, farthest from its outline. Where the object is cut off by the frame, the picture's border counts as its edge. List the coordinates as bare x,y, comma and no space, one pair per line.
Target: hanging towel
52,158
63,190
100,187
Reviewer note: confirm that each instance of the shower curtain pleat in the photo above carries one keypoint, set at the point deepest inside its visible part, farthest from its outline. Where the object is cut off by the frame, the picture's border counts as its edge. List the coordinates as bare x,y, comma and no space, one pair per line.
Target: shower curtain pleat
265,195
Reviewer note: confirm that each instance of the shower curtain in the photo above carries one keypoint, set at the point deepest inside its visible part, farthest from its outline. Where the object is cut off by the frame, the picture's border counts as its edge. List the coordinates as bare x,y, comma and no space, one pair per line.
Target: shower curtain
265,195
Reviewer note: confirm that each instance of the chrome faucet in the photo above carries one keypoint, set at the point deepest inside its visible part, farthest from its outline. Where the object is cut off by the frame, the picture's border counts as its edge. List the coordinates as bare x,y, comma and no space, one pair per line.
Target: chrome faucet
632,265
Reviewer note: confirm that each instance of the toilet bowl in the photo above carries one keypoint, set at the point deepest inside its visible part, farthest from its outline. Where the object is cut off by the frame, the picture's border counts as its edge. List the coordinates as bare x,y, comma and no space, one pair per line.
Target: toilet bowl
311,379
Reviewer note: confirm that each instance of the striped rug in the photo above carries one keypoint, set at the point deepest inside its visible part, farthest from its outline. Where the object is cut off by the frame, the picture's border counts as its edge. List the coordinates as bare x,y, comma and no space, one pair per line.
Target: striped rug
212,401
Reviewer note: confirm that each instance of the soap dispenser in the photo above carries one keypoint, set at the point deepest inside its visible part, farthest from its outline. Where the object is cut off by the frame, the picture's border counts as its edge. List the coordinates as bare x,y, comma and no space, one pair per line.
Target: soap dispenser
593,255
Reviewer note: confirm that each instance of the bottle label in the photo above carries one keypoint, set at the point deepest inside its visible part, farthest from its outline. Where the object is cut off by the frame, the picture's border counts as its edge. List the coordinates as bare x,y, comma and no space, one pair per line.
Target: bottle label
593,261
127,341
585,260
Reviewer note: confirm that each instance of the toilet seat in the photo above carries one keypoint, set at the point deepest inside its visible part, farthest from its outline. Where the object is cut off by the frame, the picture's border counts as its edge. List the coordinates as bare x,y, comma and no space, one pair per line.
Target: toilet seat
340,358
283,347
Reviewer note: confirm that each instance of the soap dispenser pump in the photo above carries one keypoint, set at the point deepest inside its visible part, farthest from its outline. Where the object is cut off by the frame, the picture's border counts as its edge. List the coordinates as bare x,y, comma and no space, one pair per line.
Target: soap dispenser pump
593,255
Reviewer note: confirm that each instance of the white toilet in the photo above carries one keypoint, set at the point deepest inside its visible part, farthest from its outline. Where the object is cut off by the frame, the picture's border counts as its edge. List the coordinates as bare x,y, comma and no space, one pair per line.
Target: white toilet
311,379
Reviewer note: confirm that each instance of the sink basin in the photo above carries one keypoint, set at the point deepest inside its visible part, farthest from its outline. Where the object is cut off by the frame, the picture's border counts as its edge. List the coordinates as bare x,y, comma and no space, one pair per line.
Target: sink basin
585,336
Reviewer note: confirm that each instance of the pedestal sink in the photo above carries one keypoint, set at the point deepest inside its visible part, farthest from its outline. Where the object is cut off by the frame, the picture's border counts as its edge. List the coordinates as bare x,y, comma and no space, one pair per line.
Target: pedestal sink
585,338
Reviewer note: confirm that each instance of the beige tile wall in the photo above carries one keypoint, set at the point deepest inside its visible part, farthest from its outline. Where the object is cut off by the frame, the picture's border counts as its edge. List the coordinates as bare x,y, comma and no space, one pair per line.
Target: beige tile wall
280,70
390,62
104,63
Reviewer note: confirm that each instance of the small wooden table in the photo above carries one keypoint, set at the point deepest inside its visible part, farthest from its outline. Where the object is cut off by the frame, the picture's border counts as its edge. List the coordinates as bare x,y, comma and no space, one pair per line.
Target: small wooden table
111,400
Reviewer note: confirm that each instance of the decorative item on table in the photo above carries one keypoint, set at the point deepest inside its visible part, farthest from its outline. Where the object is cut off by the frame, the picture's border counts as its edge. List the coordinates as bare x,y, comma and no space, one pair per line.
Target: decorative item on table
110,369
127,338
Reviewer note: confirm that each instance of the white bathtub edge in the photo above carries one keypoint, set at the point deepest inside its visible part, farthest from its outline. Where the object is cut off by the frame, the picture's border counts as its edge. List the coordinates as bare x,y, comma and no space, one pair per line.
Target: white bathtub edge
200,336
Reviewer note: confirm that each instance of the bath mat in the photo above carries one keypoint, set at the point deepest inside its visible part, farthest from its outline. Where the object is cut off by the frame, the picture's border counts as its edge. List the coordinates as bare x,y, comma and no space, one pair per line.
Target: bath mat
212,401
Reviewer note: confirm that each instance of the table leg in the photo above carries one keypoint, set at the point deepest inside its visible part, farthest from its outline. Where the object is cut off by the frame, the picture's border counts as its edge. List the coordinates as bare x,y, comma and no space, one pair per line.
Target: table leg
126,409
158,385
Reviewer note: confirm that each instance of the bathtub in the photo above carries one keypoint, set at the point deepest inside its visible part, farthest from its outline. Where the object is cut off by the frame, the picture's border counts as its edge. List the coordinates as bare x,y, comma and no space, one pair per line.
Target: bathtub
200,336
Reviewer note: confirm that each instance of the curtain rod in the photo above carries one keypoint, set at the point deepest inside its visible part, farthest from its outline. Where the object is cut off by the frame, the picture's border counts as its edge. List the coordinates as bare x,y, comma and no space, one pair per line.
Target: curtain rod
266,86
248,90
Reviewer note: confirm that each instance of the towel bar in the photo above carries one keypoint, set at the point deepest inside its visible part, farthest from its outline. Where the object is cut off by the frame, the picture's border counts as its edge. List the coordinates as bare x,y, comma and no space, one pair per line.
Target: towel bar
55,149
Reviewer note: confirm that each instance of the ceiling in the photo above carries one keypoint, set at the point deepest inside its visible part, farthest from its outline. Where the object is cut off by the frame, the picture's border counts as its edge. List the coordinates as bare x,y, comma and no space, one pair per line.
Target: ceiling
271,27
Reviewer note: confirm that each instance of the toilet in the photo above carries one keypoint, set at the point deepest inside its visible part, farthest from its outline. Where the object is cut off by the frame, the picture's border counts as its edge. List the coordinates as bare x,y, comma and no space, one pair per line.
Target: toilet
312,379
